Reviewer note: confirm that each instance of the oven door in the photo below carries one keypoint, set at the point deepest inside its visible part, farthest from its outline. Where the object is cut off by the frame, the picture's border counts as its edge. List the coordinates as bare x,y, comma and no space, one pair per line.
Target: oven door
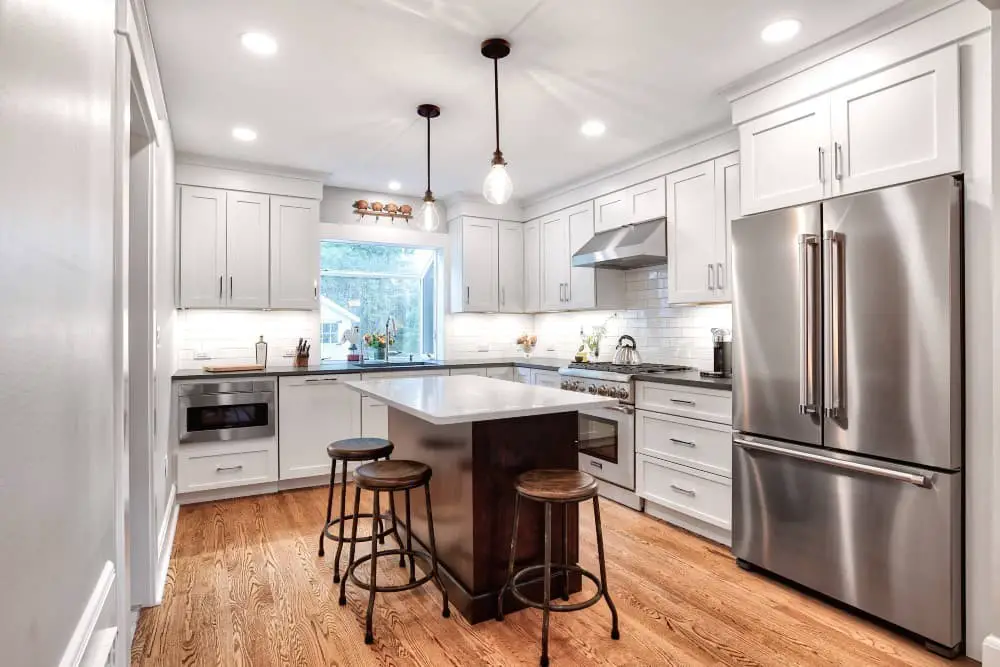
226,416
607,444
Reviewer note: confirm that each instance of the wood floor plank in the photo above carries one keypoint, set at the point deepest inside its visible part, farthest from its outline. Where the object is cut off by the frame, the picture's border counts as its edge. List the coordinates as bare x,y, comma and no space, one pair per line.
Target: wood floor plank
246,587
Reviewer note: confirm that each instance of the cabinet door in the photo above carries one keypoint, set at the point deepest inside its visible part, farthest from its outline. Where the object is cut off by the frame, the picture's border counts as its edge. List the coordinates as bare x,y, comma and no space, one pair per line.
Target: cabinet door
202,251
501,373
611,211
785,157
511,267
545,378
374,418
532,267
313,411
582,288
647,201
899,125
480,257
727,208
247,250
555,261
481,372
294,253
691,225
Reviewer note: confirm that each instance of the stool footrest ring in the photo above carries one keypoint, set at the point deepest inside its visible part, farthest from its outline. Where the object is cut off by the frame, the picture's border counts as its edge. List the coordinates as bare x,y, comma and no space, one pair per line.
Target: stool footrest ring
386,532
366,585
554,567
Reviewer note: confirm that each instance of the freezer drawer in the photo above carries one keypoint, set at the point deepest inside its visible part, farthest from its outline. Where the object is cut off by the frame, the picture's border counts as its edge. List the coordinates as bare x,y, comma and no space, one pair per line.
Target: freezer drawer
886,546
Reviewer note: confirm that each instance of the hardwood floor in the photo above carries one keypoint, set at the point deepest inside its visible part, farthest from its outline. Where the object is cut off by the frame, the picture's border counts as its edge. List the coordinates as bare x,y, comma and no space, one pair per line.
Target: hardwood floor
246,587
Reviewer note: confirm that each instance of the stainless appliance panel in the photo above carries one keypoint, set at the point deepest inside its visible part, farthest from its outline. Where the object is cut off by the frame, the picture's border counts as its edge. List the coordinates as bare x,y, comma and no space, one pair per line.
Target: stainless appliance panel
223,411
867,534
893,323
776,263
607,444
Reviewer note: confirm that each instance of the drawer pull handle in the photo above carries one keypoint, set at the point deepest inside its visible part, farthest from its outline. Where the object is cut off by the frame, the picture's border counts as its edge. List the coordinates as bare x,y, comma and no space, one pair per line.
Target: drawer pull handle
228,468
681,401
686,443
597,465
321,380
682,490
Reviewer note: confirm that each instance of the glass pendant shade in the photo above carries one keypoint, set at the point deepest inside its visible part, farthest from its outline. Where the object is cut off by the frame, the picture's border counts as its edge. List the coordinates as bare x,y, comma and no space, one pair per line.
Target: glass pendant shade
430,218
498,188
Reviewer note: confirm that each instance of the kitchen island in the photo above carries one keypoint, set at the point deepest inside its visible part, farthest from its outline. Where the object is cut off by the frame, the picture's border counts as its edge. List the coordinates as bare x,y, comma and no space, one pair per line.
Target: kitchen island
477,434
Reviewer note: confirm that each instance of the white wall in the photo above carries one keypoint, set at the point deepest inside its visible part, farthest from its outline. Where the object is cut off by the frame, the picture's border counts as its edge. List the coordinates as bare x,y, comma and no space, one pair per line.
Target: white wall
57,64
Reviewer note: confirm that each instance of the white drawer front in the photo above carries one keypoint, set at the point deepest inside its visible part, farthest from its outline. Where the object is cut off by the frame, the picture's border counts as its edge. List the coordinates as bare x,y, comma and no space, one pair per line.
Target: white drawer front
469,371
702,496
698,444
694,402
216,468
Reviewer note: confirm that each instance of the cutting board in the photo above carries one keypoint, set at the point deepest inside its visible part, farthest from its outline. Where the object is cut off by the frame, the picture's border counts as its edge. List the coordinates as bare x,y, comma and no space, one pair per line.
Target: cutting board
236,368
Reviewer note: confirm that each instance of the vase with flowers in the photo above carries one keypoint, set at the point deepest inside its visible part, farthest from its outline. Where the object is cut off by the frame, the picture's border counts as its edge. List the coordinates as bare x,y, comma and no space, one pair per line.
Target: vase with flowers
379,342
526,343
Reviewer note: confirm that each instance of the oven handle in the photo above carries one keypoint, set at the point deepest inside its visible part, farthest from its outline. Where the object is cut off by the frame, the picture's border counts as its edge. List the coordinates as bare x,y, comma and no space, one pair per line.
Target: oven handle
232,398
628,410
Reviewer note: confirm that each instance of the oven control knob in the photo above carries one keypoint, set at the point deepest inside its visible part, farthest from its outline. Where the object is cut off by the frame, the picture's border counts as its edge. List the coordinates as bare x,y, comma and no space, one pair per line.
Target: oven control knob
602,391
592,389
564,385
623,393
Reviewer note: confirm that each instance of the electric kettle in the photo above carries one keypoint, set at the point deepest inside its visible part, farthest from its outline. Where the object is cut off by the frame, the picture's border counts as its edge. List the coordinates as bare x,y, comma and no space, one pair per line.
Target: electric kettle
626,353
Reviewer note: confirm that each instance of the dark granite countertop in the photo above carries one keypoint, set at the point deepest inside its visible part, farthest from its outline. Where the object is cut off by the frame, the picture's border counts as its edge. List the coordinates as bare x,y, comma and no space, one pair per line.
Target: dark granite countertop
330,367
687,379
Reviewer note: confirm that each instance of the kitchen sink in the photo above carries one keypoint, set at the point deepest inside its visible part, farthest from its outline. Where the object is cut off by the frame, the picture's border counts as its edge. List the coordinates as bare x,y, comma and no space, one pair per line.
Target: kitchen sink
395,364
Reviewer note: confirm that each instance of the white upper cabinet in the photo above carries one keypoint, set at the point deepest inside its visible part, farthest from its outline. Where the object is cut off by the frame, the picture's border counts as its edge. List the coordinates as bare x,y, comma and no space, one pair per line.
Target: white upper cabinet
645,201
785,157
581,284
899,125
532,267
247,249
555,270
727,209
511,268
202,248
476,243
294,253
313,411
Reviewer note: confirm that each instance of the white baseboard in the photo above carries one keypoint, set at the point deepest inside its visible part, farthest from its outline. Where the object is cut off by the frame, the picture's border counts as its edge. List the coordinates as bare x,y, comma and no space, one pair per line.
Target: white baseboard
166,544
991,651
82,644
212,495
713,533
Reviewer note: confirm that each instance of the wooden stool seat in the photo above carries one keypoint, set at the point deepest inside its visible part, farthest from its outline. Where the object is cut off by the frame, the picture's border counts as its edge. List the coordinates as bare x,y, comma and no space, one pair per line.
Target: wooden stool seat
557,486
359,449
393,475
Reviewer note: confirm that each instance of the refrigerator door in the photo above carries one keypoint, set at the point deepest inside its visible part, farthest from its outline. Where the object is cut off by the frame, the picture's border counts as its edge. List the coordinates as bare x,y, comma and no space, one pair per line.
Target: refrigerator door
776,326
893,323
883,538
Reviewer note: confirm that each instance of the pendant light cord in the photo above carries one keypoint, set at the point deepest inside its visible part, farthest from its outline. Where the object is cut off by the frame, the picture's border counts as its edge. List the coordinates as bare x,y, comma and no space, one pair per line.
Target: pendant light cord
496,99
428,156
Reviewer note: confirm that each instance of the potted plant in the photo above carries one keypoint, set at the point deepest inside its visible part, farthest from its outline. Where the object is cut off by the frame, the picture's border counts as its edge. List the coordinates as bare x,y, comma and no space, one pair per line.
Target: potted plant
379,343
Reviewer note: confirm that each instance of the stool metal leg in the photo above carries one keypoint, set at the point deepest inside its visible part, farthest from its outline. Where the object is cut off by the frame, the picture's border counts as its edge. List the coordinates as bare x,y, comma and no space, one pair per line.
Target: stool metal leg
547,585
409,538
329,506
565,528
513,552
395,526
604,572
445,611
373,578
354,539
340,524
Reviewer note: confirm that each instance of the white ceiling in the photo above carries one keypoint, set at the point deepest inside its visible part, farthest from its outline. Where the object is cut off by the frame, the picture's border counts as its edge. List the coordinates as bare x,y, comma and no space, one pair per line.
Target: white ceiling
340,96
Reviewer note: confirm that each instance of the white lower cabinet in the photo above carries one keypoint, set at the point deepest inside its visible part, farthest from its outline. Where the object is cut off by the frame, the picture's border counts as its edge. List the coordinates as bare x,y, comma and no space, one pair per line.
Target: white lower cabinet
502,373
684,457
522,375
313,411
480,371
544,378
374,418
221,465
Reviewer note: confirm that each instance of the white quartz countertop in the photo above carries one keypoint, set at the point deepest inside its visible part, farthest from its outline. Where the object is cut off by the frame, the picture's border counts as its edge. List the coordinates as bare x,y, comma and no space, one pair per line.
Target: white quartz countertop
470,398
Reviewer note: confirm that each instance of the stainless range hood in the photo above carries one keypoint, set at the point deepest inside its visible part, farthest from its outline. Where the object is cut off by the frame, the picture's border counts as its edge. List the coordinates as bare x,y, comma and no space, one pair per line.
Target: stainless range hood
629,247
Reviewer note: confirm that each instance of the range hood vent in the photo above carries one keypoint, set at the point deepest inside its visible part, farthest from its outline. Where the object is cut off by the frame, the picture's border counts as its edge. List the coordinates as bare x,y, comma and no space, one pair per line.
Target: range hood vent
629,247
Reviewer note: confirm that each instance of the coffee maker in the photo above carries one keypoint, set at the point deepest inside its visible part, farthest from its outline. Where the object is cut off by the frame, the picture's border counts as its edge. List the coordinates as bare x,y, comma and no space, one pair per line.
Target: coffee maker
722,354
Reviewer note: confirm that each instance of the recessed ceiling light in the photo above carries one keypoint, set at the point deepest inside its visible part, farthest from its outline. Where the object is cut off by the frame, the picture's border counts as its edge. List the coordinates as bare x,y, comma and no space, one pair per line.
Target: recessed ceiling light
394,185
259,43
244,134
592,128
780,31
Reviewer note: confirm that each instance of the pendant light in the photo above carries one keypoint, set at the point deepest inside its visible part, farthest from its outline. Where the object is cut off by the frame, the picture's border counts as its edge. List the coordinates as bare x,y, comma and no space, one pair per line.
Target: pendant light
430,217
497,188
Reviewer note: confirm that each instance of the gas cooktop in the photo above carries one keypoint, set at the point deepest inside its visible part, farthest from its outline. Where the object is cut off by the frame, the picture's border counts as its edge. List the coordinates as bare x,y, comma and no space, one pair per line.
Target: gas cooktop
604,367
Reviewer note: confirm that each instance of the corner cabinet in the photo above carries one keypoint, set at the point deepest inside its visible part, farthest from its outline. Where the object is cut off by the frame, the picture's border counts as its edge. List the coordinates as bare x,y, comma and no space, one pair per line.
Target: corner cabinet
639,203
532,267
246,250
899,125
510,246
475,265
701,202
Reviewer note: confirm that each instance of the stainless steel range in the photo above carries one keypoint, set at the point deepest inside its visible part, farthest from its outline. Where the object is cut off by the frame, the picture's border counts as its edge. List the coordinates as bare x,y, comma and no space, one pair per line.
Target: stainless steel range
607,435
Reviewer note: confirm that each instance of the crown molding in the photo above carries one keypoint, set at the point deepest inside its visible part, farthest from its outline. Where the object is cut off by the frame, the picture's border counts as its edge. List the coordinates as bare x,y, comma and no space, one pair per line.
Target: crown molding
252,167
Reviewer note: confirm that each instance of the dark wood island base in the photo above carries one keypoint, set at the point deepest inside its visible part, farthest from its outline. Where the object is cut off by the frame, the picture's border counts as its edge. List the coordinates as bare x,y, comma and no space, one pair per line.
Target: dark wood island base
472,490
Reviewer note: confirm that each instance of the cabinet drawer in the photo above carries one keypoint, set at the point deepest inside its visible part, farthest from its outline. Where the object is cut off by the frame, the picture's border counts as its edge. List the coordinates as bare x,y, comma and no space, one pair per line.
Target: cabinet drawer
222,466
481,372
705,497
699,444
696,403
501,373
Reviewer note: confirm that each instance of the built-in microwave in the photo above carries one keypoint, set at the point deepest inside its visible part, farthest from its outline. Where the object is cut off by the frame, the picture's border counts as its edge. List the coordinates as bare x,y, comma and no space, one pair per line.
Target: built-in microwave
221,411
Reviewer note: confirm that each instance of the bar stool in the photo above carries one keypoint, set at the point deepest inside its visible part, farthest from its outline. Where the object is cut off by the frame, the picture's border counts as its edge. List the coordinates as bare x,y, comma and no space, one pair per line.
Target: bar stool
392,476
347,451
556,486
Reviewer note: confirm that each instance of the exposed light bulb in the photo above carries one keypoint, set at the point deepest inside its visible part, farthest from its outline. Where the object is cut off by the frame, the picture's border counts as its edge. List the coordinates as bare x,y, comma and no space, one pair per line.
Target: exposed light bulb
430,219
497,188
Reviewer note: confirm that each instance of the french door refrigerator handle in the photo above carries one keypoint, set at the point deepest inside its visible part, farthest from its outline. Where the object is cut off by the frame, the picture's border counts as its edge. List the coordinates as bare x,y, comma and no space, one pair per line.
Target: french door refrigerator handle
831,265
898,475
807,340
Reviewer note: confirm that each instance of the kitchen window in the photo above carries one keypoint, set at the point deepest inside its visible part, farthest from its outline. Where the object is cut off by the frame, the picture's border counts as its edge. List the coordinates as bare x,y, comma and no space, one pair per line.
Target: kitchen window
364,284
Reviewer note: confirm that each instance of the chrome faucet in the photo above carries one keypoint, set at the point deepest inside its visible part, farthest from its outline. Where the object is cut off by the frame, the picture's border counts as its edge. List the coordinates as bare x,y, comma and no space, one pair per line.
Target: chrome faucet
390,322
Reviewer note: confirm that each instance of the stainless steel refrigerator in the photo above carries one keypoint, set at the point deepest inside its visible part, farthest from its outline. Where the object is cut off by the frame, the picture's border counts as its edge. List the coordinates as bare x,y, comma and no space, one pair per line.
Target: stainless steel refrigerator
848,402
